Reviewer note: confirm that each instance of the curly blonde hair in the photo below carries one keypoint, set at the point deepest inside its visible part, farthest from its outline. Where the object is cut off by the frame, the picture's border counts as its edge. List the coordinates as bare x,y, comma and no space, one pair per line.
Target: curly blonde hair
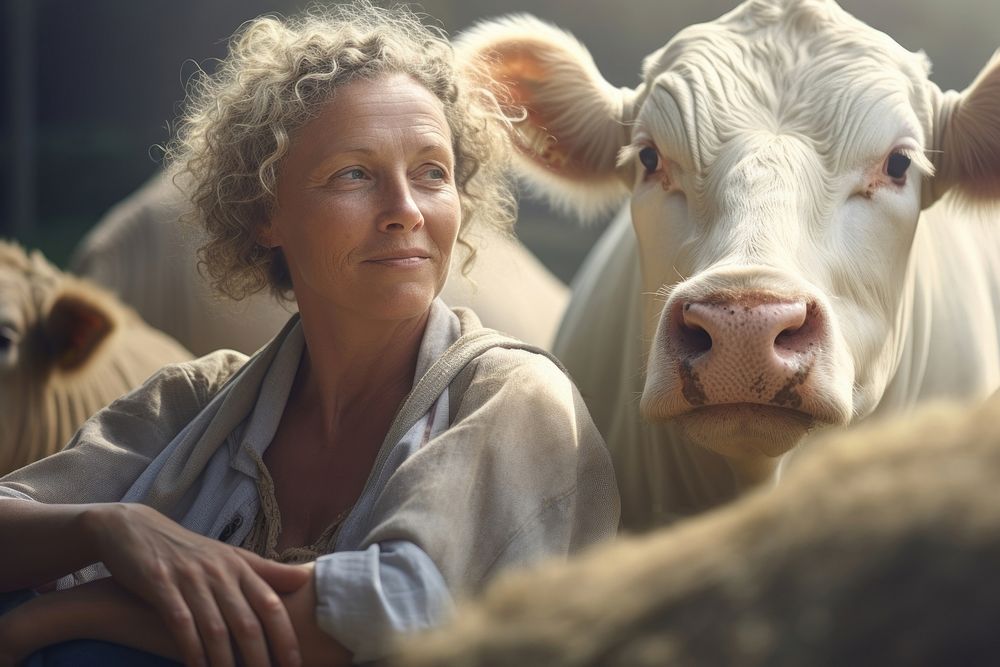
240,121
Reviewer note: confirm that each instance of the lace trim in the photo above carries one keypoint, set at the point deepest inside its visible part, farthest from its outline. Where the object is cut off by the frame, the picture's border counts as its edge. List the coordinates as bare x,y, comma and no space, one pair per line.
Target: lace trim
263,536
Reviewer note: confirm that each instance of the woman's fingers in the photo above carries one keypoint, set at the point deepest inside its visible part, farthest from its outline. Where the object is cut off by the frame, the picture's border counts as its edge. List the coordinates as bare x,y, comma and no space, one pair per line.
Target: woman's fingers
273,615
233,607
213,627
239,610
177,615
280,577
224,610
263,584
243,625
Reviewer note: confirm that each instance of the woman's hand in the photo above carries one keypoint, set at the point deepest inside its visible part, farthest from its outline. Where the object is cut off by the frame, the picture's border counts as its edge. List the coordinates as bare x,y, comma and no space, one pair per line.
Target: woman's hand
317,647
210,595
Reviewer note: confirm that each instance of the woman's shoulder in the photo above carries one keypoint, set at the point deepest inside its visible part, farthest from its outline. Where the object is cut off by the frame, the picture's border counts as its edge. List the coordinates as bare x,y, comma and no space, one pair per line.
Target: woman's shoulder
204,375
511,377
506,359
520,362
215,368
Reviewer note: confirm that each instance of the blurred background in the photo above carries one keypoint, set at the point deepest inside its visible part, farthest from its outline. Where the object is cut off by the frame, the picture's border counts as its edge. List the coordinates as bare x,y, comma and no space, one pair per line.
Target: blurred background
90,88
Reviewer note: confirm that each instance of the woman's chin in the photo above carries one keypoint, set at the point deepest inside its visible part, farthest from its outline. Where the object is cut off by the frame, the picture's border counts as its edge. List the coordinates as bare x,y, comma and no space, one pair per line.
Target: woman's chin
404,302
393,301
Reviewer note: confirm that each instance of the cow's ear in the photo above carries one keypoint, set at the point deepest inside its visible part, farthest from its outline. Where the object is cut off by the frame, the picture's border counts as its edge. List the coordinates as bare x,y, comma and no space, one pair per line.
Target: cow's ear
75,327
568,122
967,140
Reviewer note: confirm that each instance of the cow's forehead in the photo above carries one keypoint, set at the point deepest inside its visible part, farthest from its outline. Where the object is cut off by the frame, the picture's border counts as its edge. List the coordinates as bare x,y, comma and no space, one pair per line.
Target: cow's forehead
13,257
24,277
786,33
804,67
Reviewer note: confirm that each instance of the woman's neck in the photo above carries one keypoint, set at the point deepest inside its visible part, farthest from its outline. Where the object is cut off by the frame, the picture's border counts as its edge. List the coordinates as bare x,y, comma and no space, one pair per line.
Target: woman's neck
352,366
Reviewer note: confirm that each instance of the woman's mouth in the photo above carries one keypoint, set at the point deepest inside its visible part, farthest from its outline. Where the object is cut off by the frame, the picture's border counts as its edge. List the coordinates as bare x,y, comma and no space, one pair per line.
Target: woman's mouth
405,258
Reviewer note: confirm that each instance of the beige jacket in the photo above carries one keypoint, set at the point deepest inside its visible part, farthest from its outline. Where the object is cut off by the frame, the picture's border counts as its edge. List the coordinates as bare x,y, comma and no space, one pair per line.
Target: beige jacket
489,464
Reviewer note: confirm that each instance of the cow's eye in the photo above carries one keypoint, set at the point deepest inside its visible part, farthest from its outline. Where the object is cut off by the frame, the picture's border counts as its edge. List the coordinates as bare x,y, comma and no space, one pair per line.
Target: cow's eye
8,336
650,159
896,166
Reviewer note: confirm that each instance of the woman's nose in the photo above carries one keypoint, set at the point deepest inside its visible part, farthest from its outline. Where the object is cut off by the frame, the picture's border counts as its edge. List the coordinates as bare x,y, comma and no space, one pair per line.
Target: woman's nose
400,212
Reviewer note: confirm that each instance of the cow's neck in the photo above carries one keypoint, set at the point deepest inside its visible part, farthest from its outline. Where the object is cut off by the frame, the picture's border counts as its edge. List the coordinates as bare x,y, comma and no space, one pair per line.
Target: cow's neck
752,473
950,345
679,478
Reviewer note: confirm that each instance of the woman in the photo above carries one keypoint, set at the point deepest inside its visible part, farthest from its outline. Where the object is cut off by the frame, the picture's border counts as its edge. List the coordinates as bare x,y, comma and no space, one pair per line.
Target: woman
386,451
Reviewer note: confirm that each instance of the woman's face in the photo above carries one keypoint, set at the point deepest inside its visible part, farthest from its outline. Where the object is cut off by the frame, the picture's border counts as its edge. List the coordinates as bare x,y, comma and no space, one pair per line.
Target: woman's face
367,208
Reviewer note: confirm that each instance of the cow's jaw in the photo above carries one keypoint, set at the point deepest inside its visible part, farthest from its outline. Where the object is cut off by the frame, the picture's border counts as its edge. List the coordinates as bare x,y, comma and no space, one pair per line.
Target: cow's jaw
745,431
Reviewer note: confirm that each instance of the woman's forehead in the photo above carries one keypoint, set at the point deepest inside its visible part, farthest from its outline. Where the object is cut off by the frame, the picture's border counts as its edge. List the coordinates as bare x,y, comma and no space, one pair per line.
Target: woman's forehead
365,114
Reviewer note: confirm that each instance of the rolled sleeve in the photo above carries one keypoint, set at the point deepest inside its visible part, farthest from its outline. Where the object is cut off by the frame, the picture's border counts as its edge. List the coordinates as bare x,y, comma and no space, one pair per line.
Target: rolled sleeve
367,598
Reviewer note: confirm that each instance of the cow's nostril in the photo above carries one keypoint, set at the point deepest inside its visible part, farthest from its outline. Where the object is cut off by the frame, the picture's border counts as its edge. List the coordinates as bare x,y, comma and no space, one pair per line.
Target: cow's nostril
766,327
801,336
786,337
693,330
695,340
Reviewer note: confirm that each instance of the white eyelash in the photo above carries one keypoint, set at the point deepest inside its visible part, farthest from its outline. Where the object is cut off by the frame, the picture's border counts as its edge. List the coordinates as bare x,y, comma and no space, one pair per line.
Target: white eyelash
628,153
918,160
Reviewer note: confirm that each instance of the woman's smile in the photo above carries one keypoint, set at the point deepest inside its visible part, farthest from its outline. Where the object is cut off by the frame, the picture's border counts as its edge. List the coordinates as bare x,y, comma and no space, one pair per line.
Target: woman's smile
409,258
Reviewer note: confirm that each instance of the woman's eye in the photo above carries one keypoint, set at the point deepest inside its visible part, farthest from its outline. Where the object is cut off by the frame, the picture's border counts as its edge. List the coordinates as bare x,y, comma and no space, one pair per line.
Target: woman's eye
436,173
352,174
649,159
896,166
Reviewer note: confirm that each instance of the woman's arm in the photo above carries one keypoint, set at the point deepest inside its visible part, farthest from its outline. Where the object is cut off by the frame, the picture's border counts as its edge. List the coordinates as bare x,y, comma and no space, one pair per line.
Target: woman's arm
41,543
208,594
527,463
99,609
104,610
44,540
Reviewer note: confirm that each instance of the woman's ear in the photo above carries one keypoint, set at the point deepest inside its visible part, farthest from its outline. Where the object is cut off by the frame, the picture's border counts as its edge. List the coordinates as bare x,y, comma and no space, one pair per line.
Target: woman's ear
267,236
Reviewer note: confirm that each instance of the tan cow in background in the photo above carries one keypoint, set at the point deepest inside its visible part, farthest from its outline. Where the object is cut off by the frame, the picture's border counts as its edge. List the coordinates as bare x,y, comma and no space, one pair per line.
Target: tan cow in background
782,266
879,548
67,349
143,253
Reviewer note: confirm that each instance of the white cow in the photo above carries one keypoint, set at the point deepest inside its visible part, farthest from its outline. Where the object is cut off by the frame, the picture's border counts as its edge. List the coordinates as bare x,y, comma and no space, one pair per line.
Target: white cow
775,272
147,256
67,349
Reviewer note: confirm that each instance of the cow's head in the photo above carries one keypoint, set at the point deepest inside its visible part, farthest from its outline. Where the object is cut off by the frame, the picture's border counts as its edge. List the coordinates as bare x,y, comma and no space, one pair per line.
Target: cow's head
49,321
51,326
778,160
